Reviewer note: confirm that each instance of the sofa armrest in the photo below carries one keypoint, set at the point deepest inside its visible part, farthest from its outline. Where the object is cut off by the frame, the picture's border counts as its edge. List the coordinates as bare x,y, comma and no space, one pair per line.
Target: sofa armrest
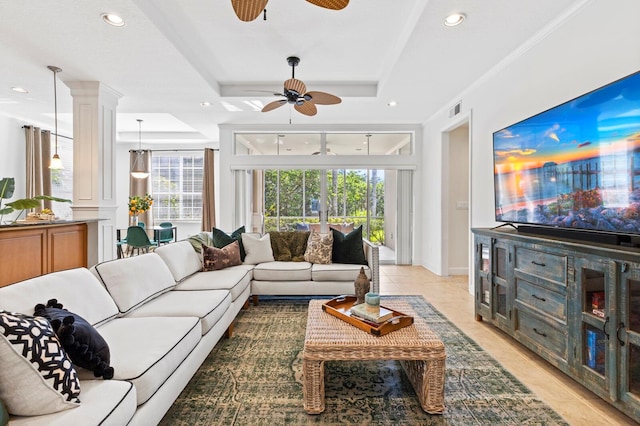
372,253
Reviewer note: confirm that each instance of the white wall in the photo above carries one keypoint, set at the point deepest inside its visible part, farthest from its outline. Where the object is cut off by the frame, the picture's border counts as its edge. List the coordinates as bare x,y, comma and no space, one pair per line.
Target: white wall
597,45
13,158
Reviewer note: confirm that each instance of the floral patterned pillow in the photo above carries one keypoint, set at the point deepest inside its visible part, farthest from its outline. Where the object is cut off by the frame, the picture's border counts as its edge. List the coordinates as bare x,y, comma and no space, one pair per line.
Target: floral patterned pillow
214,259
319,248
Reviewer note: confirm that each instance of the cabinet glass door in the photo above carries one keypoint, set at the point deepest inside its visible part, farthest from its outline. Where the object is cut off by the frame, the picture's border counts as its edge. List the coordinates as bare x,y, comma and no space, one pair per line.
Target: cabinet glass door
483,278
502,304
596,293
628,336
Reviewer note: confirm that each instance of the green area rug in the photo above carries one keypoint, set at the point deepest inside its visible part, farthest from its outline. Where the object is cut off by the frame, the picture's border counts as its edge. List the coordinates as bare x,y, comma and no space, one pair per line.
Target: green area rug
255,378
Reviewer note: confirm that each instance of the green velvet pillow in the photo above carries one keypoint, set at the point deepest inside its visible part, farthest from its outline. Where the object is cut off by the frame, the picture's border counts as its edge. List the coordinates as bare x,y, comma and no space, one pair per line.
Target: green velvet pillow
199,239
221,239
4,415
348,248
289,246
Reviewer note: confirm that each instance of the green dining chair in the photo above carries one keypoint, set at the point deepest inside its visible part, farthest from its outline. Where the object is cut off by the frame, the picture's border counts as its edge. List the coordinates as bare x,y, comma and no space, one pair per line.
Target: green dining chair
165,236
137,240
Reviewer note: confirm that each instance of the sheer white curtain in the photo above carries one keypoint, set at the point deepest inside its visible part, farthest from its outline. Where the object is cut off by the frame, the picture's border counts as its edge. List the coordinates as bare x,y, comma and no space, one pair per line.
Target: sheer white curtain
38,175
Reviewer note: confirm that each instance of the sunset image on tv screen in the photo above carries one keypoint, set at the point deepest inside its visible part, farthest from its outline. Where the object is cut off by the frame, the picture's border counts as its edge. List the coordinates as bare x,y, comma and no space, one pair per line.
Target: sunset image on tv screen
576,165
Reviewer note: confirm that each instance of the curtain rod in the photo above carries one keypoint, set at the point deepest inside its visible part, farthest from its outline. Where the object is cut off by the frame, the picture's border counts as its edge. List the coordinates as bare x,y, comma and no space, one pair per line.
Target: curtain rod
54,134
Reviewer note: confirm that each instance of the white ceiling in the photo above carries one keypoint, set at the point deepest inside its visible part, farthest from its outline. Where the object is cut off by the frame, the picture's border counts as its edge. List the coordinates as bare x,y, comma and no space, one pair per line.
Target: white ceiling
172,55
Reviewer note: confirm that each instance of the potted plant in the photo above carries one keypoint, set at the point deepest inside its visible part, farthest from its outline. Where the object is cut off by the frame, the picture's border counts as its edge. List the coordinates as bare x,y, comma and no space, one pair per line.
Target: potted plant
7,187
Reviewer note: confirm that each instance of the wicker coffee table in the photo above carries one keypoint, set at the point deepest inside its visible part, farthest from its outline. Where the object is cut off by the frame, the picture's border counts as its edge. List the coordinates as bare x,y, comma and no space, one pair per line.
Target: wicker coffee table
419,350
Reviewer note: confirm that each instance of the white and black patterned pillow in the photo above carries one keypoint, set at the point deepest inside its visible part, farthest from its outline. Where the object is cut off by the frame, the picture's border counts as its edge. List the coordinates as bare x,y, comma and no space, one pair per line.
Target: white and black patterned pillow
37,377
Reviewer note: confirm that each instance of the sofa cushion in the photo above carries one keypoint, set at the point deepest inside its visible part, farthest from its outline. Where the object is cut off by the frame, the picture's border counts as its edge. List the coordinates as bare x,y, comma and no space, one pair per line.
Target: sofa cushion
208,305
348,248
319,248
36,376
234,279
288,246
78,289
337,272
82,342
282,271
222,239
134,280
146,351
181,259
258,249
215,259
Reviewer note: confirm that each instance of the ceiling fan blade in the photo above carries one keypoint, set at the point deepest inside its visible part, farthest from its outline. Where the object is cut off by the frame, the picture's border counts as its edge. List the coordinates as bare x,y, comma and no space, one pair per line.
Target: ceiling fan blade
295,85
322,98
273,105
306,108
248,10
330,4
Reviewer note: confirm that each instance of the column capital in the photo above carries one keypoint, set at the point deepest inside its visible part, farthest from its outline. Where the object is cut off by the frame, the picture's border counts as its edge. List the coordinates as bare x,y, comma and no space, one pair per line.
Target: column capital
91,88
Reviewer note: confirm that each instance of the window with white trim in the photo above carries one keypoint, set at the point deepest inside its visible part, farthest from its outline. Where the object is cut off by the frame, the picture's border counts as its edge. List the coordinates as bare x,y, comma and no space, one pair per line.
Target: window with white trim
177,185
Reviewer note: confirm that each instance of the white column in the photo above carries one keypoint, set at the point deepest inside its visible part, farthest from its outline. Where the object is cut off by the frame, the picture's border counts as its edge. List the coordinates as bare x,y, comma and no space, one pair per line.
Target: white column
404,232
94,153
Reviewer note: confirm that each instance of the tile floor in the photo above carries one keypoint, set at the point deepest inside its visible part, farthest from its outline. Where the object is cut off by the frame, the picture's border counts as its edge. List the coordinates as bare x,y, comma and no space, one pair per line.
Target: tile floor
451,297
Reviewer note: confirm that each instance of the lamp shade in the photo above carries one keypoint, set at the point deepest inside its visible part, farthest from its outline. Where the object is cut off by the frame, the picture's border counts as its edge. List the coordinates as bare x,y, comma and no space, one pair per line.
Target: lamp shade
139,166
56,162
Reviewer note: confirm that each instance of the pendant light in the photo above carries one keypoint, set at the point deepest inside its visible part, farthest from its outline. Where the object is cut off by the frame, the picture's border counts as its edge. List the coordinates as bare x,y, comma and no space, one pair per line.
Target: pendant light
139,167
56,162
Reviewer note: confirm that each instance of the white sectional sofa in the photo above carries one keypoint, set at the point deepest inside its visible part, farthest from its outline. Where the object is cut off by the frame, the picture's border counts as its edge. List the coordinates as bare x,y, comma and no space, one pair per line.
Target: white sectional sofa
161,316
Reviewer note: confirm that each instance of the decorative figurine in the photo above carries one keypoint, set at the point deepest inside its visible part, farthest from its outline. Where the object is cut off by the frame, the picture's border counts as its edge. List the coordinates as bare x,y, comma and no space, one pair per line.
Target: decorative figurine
362,286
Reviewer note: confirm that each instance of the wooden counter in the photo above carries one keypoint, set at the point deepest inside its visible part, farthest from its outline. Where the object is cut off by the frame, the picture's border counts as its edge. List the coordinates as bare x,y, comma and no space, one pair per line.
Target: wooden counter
31,250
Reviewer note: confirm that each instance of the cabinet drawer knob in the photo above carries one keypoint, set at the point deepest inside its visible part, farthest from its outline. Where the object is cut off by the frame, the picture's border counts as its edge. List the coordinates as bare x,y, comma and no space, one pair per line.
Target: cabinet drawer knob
541,333
538,263
542,299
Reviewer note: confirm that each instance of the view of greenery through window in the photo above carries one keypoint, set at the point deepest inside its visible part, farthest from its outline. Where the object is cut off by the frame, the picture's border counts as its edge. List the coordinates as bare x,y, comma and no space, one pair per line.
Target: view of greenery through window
292,198
177,185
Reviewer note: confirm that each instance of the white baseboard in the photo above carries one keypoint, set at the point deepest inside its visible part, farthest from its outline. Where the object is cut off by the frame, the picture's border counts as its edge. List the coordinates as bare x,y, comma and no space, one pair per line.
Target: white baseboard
462,270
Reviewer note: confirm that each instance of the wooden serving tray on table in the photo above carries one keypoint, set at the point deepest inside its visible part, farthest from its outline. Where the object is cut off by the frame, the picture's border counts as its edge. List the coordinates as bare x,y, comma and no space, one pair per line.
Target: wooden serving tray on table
339,307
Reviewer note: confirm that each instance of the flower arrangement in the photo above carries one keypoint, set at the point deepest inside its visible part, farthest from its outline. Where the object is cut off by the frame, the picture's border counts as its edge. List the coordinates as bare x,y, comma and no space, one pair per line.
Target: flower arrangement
139,205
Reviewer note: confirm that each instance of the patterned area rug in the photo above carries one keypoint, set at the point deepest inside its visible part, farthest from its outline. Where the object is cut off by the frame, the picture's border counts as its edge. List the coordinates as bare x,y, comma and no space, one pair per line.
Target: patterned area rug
255,378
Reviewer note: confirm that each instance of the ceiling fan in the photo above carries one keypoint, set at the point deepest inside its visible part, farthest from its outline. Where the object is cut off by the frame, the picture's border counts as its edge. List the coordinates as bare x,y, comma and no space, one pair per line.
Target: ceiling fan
248,10
295,93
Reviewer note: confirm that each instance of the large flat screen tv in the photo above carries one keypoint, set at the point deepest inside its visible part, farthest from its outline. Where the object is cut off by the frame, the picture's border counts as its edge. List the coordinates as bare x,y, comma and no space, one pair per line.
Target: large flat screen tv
574,166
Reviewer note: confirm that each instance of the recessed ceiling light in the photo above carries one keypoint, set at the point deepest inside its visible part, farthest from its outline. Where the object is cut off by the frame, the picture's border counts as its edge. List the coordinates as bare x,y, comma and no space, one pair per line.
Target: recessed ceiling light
454,19
112,19
392,103
20,89
205,104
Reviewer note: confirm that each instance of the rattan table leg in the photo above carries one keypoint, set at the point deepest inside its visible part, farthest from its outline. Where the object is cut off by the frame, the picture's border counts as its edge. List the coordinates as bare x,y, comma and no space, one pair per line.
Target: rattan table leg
313,385
427,378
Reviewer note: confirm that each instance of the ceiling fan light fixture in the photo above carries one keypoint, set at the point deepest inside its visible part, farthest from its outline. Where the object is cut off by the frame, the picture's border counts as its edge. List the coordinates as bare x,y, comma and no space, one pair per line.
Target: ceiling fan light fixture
454,19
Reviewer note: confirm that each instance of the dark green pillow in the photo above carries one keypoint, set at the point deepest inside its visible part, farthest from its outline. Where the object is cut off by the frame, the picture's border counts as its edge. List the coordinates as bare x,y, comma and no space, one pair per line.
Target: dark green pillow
221,239
348,248
4,415
289,246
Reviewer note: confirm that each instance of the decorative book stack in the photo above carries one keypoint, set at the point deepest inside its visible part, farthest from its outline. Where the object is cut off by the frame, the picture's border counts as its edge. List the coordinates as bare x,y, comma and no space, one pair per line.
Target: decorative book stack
371,310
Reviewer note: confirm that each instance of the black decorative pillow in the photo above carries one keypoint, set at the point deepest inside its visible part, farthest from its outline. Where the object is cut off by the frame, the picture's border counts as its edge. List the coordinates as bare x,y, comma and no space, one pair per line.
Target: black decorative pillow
221,239
348,248
85,346
36,375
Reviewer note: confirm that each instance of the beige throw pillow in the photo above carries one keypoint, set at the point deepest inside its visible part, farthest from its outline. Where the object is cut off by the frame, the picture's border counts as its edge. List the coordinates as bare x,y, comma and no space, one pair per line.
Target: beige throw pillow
258,249
319,248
